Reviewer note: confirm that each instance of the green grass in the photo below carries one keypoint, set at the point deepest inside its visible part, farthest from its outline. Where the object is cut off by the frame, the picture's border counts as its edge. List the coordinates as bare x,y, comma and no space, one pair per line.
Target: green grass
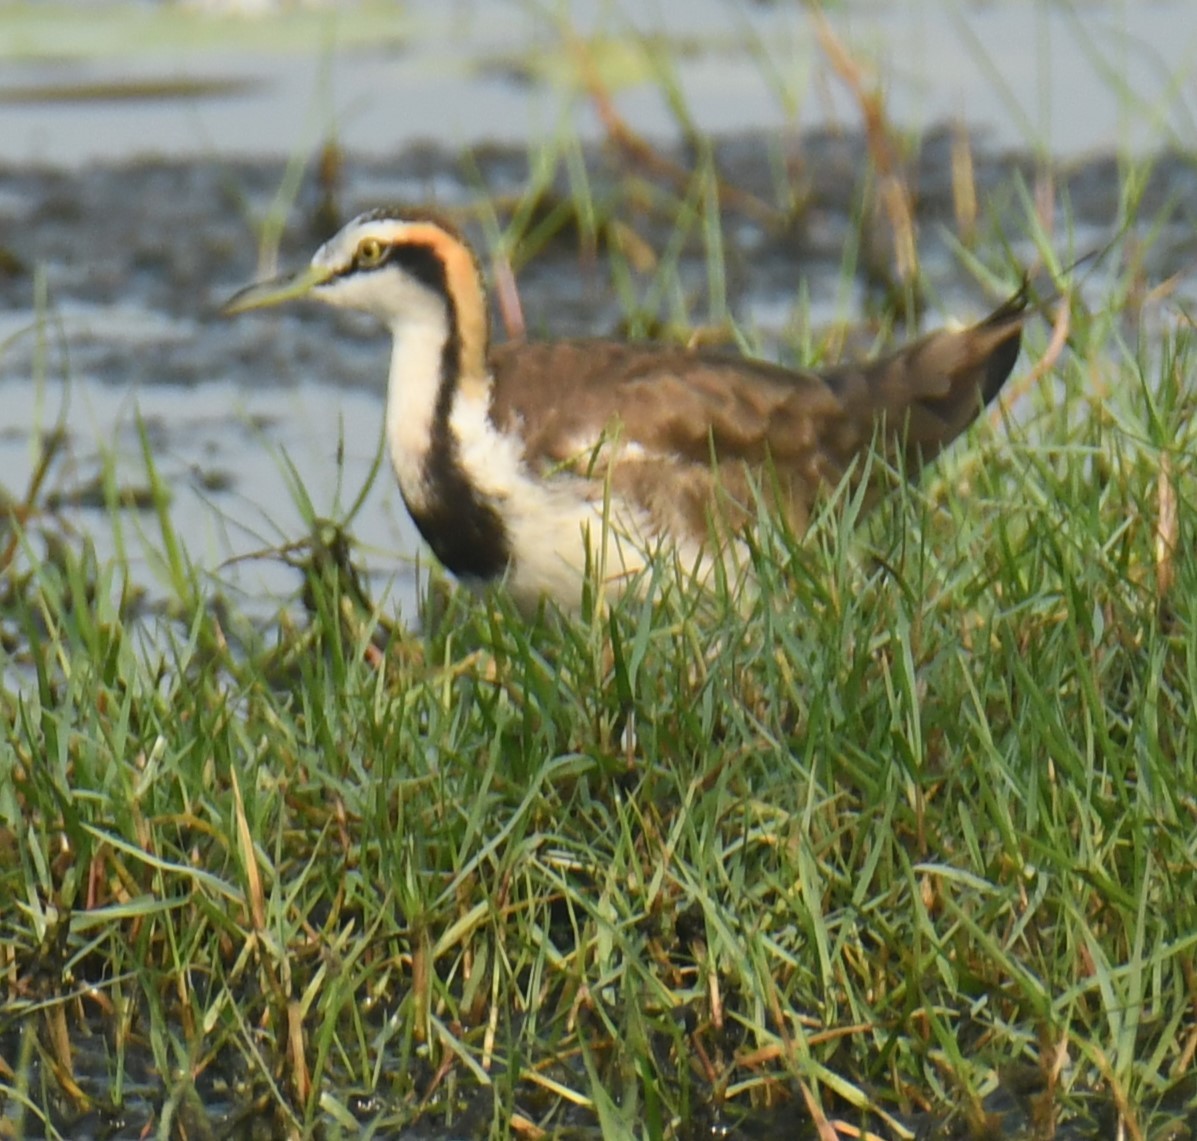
924,816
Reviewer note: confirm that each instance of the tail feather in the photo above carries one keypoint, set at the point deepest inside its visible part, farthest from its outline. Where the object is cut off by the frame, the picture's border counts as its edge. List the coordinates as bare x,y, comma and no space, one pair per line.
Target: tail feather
1010,315
1026,301
935,388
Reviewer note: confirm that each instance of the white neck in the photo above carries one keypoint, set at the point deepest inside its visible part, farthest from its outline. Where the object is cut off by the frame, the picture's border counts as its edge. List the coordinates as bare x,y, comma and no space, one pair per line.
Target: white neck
412,392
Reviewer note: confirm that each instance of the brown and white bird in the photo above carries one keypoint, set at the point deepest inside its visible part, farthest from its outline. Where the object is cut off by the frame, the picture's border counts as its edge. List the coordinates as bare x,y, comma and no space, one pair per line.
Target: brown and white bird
538,463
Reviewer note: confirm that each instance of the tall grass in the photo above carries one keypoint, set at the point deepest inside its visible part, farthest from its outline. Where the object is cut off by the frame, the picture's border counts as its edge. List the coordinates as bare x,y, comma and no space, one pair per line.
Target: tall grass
924,812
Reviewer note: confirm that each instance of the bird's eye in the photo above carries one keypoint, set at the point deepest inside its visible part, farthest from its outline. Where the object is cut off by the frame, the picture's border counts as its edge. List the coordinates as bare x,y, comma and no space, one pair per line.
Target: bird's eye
370,253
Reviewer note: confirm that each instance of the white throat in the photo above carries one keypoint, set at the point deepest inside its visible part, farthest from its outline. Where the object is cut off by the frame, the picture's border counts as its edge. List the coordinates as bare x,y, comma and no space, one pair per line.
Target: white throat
412,391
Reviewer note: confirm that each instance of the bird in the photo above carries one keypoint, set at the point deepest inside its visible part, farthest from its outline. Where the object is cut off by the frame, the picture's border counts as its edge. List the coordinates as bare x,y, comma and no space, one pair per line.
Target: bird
540,463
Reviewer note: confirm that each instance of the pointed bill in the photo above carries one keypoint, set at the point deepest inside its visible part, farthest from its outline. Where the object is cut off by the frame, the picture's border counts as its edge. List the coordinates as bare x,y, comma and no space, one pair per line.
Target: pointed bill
287,287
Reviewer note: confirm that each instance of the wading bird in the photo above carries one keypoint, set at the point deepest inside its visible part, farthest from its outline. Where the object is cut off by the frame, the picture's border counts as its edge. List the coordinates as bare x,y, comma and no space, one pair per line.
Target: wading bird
537,463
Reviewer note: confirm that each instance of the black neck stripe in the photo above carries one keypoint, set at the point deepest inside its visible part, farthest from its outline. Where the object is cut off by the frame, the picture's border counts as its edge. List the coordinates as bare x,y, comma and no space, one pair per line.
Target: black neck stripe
464,530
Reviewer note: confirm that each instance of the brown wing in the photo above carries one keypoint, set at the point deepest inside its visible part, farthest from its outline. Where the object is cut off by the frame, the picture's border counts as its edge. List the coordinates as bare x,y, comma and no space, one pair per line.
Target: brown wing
668,400
683,409
695,406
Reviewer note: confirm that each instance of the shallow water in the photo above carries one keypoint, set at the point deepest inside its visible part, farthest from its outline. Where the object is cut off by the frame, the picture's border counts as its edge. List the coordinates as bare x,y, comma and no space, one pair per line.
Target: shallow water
223,450
192,80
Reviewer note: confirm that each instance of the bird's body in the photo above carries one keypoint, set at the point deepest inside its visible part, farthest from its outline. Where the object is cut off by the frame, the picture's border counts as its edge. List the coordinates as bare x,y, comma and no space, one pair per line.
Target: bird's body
539,463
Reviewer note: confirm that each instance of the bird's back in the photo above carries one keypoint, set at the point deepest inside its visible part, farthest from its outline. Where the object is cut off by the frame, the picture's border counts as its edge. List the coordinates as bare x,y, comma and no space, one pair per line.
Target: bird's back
678,431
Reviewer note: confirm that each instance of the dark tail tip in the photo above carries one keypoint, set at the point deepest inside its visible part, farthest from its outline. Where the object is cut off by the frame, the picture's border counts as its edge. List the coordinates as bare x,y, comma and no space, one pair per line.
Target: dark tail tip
1000,364
1012,309
1008,317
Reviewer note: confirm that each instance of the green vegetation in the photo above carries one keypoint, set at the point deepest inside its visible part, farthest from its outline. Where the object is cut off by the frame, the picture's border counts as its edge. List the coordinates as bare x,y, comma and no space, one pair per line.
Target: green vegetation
904,843
924,811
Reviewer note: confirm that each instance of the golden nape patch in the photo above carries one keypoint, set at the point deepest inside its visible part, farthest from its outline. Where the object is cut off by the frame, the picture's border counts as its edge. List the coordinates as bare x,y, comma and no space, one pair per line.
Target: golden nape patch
463,278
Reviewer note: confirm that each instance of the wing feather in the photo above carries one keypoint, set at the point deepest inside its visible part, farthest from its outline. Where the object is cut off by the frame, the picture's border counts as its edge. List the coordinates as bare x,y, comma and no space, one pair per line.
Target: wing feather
674,412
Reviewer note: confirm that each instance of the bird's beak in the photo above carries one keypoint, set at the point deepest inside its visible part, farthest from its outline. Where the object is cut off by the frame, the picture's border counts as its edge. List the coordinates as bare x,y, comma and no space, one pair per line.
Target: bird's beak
287,287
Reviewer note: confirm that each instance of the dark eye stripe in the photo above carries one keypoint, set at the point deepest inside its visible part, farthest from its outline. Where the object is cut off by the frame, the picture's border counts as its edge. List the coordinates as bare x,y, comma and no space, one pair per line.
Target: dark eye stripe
416,258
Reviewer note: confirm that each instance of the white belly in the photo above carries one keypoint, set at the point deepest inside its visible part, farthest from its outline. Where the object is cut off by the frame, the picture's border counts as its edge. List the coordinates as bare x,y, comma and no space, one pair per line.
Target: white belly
561,527
559,538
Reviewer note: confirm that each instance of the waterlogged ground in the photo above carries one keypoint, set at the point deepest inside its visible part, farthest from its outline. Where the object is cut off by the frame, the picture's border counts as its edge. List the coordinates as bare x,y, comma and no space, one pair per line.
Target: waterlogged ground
122,350
112,265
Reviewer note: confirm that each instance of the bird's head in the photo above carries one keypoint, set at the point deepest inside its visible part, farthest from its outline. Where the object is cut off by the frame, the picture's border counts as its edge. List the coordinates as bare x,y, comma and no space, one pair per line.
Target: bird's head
403,267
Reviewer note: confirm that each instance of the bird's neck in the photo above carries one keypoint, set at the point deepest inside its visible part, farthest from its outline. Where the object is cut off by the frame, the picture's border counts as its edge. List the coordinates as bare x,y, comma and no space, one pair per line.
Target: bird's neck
438,377
428,375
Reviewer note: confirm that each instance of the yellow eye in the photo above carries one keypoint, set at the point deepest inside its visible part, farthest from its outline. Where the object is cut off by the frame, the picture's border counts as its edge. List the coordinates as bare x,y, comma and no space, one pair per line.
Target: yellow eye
370,252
